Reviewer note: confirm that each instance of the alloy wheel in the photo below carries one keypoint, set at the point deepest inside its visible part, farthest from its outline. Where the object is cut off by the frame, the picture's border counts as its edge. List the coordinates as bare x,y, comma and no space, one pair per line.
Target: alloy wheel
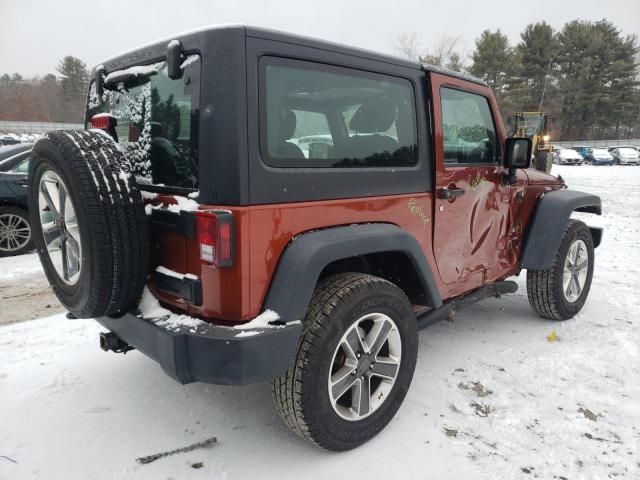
576,268
60,227
365,366
15,232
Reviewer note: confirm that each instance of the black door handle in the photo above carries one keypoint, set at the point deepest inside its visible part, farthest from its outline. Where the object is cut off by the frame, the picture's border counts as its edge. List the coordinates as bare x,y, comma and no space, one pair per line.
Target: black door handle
447,193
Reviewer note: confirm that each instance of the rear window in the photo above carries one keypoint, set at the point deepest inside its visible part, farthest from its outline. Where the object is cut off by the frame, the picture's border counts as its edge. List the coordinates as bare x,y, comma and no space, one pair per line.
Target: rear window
317,115
157,121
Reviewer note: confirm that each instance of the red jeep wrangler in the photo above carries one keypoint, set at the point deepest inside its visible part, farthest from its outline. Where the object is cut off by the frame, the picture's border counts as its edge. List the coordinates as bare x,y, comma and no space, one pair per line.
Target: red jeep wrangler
251,205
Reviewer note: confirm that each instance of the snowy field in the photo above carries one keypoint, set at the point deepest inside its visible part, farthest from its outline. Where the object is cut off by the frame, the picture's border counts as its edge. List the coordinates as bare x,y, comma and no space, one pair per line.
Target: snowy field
491,398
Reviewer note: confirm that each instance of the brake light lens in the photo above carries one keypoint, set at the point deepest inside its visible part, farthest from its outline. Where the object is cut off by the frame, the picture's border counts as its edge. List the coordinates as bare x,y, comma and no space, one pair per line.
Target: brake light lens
103,121
214,233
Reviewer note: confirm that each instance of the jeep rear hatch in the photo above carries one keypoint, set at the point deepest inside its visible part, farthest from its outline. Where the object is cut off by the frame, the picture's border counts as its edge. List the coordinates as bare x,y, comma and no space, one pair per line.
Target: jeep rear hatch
155,120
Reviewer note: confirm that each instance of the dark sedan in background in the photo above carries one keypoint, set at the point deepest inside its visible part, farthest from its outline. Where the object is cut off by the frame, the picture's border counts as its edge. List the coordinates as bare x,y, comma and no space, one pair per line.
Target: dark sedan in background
15,229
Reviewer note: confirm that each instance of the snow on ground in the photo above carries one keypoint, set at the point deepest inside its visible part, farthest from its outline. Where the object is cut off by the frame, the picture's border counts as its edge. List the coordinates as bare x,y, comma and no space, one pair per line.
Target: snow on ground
12,267
491,398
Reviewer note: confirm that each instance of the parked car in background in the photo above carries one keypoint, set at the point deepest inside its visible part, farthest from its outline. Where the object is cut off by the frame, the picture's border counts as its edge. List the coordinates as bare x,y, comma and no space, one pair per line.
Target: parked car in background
583,150
623,146
599,156
567,156
12,150
15,228
625,155
8,140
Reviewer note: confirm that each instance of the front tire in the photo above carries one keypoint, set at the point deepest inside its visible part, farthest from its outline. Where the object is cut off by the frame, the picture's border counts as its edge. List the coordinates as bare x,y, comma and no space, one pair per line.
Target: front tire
354,363
560,292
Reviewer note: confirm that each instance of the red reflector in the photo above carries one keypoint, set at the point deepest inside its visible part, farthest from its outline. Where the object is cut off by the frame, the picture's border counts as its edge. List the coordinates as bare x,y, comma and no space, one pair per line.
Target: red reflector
103,121
214,234
225,242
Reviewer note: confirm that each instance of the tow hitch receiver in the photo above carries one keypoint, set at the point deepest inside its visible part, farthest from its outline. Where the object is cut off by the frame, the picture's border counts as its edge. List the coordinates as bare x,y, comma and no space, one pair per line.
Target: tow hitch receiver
110,341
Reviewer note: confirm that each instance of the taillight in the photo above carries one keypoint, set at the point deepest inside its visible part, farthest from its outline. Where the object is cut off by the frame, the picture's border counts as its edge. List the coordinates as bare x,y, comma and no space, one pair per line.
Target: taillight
103,121
214,233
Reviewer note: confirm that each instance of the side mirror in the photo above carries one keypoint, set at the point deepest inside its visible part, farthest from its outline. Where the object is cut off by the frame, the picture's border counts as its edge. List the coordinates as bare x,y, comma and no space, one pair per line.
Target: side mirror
174,59
517,155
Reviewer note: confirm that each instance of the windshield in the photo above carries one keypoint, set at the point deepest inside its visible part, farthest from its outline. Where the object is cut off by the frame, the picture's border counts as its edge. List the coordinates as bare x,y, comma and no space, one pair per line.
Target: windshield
600,151
530,124
157,121
628,151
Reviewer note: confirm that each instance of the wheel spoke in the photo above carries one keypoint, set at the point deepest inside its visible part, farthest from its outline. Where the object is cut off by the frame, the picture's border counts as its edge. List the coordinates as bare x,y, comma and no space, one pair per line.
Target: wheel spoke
62,199
73,246
65,259
576,284
362,396
344,381
569,288
47,198
576,254
385,368
51,234
378,335
570,254
581,265
74,262
353,344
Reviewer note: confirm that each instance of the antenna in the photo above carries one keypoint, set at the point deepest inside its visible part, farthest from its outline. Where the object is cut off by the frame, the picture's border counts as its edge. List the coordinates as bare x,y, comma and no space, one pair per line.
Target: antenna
544,88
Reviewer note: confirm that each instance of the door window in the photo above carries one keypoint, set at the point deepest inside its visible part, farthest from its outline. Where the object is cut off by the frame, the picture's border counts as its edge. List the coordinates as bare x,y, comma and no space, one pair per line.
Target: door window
469,134
323,116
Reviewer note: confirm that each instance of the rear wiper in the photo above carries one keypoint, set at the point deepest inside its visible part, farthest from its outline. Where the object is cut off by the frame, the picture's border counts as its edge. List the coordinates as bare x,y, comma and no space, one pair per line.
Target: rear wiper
132,76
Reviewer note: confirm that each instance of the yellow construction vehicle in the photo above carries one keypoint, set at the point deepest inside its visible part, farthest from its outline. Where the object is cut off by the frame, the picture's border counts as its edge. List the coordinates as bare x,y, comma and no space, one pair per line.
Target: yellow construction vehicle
533,125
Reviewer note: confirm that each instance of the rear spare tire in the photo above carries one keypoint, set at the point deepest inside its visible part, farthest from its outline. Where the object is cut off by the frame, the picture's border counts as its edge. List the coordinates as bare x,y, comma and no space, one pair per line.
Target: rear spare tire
88,222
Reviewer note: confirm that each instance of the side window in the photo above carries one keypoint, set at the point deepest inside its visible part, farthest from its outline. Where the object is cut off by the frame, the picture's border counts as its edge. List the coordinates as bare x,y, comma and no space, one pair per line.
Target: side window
315,115
23,167
469,134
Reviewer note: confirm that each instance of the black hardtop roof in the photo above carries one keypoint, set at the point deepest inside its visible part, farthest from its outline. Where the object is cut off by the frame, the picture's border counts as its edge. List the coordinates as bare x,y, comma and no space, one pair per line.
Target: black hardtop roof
145,52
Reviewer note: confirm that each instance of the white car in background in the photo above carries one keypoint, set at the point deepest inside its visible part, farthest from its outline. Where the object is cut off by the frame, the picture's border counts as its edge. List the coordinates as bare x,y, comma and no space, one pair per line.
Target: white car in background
567,156
625,155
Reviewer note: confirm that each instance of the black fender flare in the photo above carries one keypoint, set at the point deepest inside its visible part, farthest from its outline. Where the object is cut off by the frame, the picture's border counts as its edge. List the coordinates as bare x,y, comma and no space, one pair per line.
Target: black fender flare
544,234
308,254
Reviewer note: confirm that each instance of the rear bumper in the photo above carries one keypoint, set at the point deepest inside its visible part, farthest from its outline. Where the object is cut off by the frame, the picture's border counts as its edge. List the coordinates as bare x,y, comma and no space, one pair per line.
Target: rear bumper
210,353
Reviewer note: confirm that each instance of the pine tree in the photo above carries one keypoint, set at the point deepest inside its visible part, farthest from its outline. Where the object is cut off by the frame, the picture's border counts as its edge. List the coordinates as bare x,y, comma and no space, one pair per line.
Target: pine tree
74,78
597,79
538,49
497,63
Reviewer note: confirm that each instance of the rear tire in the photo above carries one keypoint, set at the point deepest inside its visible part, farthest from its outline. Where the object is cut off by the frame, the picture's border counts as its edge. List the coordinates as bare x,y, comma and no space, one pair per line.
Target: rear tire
96,250
560,292
318,397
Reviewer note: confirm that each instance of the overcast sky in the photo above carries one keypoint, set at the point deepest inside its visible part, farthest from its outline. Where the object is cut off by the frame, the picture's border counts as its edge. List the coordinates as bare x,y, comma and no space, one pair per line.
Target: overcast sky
35,34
